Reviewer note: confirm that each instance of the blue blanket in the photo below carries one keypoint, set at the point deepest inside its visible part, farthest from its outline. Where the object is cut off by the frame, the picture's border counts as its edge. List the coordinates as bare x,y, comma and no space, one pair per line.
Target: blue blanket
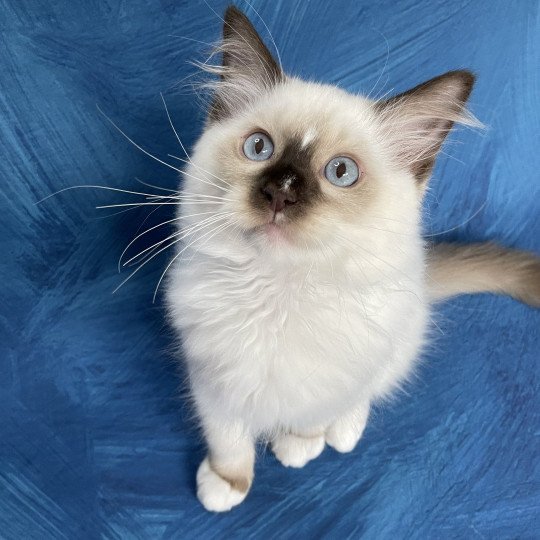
97,438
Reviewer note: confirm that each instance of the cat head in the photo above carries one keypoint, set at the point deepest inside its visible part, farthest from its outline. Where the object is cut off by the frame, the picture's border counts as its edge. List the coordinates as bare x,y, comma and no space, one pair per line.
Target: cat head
291,165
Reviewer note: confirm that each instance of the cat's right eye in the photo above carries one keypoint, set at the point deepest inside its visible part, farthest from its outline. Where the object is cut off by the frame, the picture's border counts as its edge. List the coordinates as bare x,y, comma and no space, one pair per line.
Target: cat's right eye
258,147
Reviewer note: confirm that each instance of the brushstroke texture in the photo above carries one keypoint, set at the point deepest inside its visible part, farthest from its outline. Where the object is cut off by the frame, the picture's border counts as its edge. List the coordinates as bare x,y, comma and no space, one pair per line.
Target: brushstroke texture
96,439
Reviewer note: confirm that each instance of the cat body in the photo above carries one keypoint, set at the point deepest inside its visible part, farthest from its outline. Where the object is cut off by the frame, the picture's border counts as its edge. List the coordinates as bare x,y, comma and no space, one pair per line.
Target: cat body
289,347
301,287
269,317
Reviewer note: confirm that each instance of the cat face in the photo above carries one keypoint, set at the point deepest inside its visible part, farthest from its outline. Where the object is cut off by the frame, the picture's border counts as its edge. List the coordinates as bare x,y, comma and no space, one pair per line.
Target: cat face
298,164
295,162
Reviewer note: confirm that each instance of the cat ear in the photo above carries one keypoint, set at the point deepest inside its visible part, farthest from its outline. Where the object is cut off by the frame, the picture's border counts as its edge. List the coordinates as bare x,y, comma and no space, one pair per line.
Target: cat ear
248,68
416,122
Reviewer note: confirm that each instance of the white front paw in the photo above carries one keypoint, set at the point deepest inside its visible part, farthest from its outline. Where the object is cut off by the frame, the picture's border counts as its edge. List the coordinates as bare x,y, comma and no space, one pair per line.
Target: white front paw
215,493
344,434
294,451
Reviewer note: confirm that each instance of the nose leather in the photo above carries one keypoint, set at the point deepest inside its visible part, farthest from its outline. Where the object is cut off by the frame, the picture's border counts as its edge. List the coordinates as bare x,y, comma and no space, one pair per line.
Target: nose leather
279,194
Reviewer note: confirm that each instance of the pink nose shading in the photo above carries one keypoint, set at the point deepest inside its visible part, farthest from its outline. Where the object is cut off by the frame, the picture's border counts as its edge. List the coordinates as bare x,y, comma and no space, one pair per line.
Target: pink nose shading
278,198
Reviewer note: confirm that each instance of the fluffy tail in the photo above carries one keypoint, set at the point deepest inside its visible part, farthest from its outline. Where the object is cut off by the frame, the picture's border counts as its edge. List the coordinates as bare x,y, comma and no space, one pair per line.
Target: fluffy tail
463,269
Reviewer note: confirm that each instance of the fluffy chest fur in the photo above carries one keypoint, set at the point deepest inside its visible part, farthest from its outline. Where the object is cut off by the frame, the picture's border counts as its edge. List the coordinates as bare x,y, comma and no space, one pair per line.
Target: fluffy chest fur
290,346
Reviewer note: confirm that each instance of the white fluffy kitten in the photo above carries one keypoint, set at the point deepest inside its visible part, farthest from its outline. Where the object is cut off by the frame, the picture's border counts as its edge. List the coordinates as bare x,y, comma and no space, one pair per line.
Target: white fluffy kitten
302,292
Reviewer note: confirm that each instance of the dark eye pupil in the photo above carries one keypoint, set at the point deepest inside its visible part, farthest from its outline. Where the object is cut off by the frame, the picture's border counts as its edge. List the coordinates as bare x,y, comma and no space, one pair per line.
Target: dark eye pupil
341,169
259,145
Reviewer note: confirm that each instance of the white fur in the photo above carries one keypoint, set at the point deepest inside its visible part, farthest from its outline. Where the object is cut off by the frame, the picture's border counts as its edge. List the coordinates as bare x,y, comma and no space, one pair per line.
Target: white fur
284,340
295,451
309,137
214,492
345,432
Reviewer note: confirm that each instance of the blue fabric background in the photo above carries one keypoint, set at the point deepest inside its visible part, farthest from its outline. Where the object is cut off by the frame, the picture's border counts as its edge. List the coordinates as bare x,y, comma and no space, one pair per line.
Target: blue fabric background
96,439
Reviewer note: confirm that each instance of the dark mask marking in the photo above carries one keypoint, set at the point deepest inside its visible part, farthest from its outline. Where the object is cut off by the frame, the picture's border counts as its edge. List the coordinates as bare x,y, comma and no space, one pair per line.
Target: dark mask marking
289,184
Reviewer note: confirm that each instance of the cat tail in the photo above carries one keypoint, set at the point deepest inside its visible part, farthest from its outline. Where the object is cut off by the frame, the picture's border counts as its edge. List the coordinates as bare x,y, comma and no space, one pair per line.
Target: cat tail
475,268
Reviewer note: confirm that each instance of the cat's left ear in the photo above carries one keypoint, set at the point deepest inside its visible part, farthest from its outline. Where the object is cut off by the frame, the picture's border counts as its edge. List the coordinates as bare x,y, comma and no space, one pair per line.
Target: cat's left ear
416,123
248,68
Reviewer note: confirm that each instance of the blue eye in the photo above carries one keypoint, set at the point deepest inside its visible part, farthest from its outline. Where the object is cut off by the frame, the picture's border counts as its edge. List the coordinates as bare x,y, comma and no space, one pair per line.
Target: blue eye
258,147
341,171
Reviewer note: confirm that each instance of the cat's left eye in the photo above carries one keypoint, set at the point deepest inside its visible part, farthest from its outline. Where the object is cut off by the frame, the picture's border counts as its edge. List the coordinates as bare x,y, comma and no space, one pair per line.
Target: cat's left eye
258,147
342,171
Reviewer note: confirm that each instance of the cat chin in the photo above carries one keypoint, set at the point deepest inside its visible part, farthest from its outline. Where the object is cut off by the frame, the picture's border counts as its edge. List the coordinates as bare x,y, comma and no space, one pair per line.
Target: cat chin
275,234
284,244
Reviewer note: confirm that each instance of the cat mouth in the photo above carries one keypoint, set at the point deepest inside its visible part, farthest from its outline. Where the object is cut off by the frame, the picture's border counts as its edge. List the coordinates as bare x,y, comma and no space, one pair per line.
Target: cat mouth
275,228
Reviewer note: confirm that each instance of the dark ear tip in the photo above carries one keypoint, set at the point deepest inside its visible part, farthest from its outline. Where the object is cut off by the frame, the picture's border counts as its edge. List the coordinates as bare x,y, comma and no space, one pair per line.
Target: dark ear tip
235,22
466,80
467,76
232,13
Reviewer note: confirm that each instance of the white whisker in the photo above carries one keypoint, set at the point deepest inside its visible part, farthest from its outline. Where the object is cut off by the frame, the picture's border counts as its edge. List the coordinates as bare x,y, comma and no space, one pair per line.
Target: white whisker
157,204
217,230
204,181
153,228
182,232
482,206
269,33
145,263
200,168
94,187
173,128
156,187
187,196
135,144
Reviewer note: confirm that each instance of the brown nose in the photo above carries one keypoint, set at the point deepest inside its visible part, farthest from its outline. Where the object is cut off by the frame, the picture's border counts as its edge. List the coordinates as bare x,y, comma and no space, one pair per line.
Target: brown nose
278,198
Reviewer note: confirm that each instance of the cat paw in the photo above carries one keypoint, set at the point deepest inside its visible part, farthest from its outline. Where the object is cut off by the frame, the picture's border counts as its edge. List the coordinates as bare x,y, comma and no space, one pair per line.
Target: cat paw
295,451
343,435
342,440
215,492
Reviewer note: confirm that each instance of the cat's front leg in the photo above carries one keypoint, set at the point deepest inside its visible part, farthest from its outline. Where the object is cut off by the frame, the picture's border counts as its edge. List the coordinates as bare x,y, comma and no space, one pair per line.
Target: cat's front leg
345,432
226,474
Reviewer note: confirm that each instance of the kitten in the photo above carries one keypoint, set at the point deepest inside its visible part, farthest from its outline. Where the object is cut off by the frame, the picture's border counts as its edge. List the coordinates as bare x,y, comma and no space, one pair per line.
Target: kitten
304,289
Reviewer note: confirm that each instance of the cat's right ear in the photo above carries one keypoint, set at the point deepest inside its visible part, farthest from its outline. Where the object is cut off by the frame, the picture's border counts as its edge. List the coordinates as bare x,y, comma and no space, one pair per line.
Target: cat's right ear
248,68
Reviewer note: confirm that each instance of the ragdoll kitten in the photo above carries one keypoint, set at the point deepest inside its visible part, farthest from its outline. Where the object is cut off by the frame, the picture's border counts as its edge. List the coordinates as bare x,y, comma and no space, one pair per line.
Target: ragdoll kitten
304,287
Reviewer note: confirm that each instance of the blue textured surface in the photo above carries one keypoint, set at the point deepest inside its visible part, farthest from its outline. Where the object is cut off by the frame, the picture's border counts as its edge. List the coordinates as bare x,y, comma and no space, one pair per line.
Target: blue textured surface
95,437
